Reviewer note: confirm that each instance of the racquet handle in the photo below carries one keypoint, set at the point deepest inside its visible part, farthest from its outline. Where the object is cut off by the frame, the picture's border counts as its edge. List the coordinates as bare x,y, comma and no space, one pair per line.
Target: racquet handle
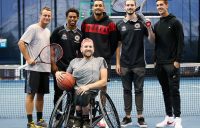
23,66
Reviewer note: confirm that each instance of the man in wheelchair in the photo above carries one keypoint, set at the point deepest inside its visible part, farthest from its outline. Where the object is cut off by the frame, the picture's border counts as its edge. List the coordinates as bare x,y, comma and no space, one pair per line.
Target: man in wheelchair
91,75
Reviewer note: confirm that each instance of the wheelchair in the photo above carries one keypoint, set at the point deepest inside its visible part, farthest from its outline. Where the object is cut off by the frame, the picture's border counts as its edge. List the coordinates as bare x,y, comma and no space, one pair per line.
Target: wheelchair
101,106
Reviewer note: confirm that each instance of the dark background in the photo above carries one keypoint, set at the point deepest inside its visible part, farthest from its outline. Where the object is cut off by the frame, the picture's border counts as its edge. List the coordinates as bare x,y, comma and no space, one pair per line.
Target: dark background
17,15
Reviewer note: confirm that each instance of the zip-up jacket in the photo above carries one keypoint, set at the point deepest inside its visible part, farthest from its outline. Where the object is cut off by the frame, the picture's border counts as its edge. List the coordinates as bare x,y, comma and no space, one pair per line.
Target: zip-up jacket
169,40
104,35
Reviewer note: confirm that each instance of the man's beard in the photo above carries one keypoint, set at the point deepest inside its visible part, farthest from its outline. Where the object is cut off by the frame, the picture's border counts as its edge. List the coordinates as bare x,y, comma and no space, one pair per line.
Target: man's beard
98,13
130,12
86,55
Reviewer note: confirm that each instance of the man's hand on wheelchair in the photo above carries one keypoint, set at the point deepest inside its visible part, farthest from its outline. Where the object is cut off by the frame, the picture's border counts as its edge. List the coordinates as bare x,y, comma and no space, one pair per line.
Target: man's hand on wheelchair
82,89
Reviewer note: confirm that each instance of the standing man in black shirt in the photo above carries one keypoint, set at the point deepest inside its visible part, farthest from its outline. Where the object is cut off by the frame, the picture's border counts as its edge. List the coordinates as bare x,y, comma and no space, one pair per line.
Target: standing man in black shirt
69,37
169,43
103,32
131,64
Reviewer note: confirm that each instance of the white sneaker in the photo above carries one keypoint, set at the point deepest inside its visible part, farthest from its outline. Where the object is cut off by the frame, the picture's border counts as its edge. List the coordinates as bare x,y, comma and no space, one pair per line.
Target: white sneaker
178,122
169,121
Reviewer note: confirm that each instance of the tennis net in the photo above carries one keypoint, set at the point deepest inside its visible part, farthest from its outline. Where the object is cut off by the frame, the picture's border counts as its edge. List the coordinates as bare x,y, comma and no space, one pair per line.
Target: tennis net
12,94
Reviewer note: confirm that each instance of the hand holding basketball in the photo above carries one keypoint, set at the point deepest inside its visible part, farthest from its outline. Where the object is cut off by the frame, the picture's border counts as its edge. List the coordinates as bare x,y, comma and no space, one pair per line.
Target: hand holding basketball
65,80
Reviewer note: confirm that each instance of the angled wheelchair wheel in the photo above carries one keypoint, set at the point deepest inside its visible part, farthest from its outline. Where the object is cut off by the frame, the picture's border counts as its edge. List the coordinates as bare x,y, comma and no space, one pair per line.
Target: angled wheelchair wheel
109,111
60,112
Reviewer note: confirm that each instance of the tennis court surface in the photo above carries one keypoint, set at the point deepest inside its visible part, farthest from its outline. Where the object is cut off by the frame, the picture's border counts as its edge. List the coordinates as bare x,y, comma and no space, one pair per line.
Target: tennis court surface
12,112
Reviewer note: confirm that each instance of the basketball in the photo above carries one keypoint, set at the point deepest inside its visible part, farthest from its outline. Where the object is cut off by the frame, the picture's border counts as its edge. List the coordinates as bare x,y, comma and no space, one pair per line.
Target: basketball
68,82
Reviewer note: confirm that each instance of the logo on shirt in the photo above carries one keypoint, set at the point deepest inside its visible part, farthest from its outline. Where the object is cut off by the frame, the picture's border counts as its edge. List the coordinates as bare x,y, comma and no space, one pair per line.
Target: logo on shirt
64,37
137,25
77,38
123,28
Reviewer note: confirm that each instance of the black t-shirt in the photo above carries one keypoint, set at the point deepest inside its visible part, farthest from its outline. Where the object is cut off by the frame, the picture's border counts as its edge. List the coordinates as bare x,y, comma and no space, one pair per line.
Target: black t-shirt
131,34
70,41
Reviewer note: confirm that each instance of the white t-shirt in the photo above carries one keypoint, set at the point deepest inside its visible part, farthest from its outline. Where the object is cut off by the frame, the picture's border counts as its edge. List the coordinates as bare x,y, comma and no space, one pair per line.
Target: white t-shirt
37,38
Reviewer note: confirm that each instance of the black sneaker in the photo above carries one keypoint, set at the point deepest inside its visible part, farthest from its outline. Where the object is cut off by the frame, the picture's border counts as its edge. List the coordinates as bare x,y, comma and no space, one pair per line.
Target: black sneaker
70,123
77,122
86,124
141,123
126,122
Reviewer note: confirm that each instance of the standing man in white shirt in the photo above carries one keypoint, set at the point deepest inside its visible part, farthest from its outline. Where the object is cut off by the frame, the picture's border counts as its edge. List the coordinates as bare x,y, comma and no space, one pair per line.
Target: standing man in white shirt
36,37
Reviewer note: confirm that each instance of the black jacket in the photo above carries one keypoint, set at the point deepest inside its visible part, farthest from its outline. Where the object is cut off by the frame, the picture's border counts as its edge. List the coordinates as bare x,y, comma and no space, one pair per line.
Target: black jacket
104,35
70,41
169,40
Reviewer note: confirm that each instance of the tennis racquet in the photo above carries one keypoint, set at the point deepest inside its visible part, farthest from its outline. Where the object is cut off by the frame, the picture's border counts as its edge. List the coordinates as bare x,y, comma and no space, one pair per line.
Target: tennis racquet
48,54
139,9
118,5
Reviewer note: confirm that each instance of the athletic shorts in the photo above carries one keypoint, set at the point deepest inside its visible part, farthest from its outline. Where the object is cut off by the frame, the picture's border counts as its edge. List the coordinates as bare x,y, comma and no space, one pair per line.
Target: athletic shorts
36,82
84,100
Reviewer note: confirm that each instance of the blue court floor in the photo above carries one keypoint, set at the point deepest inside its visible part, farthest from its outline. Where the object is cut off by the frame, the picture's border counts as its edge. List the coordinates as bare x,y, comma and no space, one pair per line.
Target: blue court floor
12,112
187,122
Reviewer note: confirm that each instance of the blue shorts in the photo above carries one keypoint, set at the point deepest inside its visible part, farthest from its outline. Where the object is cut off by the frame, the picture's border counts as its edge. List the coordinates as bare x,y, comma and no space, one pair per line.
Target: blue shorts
36,82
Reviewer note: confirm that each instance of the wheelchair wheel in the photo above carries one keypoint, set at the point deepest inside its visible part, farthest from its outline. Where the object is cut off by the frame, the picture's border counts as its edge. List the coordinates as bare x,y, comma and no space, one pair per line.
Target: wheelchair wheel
109,111
60,112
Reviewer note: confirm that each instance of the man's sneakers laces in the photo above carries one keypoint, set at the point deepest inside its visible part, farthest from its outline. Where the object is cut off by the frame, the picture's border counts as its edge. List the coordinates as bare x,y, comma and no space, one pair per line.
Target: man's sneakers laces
86,124
31,125
178,122
141,122
77,122
170,121
128,121
41,123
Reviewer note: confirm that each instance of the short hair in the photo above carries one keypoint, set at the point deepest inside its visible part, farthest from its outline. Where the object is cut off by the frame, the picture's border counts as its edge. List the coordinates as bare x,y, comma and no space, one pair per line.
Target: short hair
72,10
87,40
131,0
45,8
99,0
165,1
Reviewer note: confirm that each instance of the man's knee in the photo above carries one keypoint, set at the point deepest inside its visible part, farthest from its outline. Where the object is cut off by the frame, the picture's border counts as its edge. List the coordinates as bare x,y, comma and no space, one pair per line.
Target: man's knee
30,96
104,89
83,100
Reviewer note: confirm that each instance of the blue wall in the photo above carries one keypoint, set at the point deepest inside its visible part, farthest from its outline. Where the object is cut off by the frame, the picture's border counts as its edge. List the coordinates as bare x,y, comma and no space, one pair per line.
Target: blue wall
187,12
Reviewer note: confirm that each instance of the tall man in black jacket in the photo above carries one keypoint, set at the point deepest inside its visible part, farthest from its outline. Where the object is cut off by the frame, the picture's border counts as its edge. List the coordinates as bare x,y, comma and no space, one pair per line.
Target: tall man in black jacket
169,43
102,31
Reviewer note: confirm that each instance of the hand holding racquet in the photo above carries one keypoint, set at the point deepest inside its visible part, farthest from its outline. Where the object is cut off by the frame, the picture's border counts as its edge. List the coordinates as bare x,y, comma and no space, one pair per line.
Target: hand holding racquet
48,54
141,4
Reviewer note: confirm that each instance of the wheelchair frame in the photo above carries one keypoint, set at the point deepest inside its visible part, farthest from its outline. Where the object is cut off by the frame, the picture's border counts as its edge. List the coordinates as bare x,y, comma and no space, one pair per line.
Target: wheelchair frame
100,107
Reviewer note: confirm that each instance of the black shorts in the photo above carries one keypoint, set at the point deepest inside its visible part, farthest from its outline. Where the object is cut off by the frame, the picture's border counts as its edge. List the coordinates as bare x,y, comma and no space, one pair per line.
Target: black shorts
84,100
36,82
